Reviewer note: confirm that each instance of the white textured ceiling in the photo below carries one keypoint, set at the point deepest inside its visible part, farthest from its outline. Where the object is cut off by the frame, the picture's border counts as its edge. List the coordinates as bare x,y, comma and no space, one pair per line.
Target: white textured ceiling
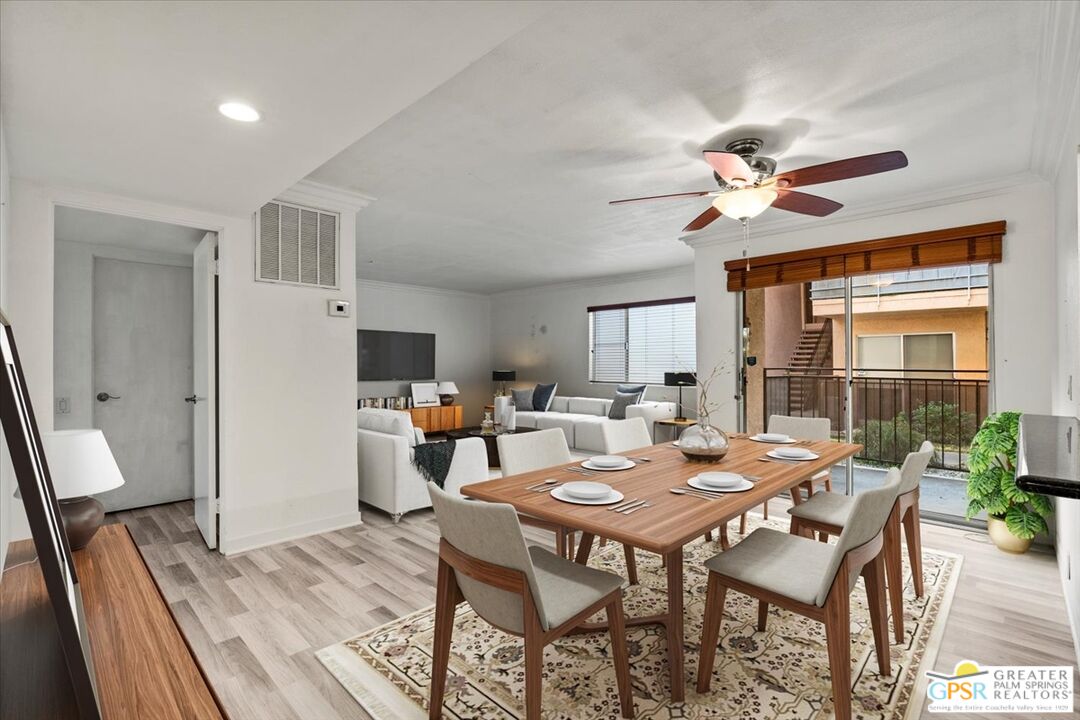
122,97
500,177
87,226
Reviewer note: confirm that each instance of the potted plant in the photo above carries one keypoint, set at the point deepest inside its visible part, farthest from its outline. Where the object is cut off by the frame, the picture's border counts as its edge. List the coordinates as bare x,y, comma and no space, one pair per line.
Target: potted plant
1014,516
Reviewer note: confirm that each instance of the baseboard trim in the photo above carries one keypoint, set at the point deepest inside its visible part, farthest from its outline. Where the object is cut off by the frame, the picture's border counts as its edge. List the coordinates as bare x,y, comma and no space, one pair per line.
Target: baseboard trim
285,534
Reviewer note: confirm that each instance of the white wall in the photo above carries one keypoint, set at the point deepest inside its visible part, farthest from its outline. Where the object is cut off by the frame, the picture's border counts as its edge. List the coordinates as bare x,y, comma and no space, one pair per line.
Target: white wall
288,384
1067,252
1024,317
462,326
73,313
543,332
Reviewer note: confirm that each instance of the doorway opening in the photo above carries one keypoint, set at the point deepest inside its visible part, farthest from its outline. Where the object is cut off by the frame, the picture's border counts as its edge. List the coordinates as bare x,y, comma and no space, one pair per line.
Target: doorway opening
919,356
135,353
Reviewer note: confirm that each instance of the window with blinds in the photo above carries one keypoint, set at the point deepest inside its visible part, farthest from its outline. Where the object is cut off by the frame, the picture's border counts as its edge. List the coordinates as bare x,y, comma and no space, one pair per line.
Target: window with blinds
639,342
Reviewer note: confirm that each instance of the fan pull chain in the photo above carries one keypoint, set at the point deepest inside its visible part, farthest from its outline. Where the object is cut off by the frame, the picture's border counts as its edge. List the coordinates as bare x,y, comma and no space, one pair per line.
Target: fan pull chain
746,241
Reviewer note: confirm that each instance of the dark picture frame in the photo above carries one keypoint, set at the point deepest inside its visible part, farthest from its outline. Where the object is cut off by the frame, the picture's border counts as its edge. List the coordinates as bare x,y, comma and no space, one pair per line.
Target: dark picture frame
46,527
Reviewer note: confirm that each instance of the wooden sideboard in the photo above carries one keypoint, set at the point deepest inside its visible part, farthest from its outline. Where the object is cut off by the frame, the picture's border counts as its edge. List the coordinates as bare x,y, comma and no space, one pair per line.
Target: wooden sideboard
439,418
142,663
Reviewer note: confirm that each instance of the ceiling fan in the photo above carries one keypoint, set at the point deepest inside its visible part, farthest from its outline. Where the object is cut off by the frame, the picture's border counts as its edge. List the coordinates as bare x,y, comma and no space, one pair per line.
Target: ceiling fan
748,186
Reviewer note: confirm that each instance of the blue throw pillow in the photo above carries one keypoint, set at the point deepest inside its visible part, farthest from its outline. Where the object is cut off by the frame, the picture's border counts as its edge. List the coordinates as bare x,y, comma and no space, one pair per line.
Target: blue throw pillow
542,395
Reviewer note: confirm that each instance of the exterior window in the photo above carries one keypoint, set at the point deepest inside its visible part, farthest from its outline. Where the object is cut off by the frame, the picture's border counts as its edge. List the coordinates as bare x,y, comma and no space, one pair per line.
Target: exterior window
639,342
911,355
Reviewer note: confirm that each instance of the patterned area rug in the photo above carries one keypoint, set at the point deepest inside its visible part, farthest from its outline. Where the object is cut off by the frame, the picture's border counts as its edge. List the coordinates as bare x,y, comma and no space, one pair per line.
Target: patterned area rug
782,673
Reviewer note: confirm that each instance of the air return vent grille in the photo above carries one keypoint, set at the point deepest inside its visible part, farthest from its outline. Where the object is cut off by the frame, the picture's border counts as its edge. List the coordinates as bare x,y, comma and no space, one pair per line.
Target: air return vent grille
296,245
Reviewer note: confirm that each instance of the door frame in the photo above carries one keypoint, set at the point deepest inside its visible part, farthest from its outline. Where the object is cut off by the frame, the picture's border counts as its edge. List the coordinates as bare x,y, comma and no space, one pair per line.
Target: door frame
230,230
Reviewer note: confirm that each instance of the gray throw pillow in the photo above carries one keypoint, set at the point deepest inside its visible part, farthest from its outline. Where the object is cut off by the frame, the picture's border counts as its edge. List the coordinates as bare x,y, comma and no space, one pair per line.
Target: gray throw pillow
542,395
620,403
523,399
631,389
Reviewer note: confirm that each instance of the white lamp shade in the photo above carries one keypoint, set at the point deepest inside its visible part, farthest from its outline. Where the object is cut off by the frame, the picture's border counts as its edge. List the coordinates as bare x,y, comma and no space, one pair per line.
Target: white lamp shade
80,463
745,203
446,388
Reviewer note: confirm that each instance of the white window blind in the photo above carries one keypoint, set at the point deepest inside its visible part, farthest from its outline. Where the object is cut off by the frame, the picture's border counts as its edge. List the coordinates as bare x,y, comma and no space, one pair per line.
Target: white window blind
639,342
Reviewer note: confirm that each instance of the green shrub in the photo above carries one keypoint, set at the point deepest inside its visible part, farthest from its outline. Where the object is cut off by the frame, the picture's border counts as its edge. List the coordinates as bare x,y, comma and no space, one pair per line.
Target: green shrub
889,440
944,424
992,485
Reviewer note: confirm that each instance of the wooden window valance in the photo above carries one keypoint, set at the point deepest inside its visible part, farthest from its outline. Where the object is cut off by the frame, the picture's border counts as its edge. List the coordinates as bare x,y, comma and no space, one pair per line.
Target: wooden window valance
953,246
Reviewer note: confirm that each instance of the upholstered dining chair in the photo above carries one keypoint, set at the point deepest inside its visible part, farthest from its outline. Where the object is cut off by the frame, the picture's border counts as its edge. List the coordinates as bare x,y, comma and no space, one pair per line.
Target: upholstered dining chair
618,436
812,579
526,591
802,429
827,513
534,451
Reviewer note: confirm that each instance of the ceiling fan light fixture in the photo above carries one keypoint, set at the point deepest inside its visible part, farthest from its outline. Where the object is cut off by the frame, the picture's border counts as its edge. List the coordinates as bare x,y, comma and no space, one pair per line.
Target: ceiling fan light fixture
745,203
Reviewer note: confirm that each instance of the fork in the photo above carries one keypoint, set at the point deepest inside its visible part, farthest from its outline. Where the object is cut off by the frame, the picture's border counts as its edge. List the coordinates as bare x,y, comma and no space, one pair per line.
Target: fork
640,459
636,508
544,487
777,460
580,471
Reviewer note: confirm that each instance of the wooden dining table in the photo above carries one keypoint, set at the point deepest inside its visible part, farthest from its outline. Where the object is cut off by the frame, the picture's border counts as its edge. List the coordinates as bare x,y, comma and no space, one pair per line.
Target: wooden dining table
671,521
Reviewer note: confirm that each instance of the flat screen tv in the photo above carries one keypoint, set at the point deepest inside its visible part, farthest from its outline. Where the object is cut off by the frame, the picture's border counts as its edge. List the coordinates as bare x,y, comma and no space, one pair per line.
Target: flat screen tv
390,355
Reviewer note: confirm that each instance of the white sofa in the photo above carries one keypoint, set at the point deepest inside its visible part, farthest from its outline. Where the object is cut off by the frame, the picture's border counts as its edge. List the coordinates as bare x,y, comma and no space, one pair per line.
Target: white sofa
387,478
580,418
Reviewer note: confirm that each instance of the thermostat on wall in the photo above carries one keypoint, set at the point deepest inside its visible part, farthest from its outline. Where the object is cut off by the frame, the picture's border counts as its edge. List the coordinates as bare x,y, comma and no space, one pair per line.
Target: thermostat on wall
337,308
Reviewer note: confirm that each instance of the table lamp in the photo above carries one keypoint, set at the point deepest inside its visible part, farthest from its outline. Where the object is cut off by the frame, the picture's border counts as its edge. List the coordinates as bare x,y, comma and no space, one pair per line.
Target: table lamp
680,380
502,377
446,391
81,465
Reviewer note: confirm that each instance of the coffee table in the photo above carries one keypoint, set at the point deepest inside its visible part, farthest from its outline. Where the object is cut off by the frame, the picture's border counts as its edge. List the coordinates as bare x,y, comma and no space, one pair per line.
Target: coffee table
489,440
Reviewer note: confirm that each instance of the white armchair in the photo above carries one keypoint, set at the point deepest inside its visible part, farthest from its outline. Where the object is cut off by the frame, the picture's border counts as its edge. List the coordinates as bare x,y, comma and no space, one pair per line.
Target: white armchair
387,478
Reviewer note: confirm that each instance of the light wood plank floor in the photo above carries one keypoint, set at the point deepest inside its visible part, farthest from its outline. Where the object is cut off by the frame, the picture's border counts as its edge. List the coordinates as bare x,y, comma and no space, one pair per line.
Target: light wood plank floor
255,620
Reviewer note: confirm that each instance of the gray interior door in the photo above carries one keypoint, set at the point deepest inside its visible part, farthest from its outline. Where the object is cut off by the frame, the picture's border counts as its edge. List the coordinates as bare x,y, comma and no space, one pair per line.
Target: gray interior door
142,373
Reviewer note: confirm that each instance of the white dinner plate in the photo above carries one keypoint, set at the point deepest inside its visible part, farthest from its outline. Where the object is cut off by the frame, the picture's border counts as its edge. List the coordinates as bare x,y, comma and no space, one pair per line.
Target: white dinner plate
778,456
585,490
762,438
614,497
588,464
743,487
720,480
608,461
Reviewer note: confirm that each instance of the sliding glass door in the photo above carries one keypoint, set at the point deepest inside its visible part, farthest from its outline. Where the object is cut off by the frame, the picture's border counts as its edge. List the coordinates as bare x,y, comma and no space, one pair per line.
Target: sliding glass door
906,353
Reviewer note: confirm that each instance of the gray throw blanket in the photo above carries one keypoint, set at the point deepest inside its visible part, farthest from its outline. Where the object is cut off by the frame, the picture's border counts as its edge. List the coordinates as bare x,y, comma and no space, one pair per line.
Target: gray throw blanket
433,460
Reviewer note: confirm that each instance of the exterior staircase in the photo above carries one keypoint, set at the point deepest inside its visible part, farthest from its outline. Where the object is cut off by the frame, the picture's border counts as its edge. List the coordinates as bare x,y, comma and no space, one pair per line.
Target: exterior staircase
812,351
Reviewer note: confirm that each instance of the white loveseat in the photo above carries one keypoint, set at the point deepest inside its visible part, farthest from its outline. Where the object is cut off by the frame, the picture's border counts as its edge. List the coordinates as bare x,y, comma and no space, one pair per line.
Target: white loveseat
580,418
387,478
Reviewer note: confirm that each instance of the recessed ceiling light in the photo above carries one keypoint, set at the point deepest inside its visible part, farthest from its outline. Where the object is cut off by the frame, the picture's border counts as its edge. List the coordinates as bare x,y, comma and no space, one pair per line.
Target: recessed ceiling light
239,111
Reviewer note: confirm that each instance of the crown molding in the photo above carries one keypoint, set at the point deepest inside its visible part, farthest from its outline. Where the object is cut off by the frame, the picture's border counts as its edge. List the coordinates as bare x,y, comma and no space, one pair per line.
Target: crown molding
325,197
418,289
1058,86
598,281
910,203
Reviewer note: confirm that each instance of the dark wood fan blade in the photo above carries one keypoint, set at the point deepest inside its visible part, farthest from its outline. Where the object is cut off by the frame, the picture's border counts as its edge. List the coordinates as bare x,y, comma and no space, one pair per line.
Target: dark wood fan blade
805,203
661,197
730,166
703,219
843,169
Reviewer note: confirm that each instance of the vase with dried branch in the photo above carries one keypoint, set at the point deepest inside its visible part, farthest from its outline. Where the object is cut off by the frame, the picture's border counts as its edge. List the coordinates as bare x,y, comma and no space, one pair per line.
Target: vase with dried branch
704,442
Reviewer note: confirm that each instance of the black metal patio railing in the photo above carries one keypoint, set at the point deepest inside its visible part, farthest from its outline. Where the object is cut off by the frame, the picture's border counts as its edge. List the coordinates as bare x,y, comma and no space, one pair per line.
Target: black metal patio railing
894,410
